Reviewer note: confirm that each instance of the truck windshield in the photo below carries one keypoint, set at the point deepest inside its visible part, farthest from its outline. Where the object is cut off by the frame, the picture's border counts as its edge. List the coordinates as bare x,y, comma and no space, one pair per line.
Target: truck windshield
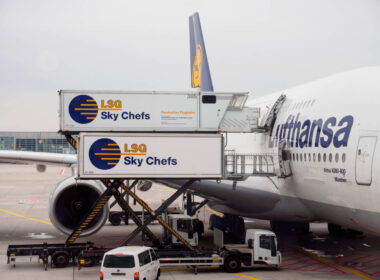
268,242
184,226
116,261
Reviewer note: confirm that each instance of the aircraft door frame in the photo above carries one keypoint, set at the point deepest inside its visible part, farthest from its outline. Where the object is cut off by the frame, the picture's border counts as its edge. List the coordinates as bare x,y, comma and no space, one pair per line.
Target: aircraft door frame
365,153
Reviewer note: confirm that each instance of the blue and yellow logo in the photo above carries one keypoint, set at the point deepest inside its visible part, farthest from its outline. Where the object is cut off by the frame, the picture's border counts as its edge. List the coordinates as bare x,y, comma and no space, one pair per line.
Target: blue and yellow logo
197,67
83,109
104,153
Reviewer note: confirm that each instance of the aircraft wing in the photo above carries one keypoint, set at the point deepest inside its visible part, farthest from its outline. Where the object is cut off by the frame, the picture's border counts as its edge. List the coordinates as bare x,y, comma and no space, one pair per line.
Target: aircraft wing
37,158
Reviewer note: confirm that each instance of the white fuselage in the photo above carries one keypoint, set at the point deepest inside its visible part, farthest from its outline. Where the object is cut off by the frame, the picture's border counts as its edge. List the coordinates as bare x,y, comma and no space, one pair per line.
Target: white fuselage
332,130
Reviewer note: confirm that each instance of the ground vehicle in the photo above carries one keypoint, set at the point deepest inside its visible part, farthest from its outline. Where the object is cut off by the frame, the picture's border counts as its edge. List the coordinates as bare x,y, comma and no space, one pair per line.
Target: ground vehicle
190,228
130,262
260,248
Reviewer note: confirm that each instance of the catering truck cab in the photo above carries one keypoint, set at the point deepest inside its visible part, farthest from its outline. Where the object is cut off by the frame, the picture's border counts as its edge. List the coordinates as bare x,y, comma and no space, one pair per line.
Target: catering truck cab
260,248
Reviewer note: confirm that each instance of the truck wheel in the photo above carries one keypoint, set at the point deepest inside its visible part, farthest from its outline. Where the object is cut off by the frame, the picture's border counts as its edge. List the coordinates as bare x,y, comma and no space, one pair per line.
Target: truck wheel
115,219
60,259
158,275
232,264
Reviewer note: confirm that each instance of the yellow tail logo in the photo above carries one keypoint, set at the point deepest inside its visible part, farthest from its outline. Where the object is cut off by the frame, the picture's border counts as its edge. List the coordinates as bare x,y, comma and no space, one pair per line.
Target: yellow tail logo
197,67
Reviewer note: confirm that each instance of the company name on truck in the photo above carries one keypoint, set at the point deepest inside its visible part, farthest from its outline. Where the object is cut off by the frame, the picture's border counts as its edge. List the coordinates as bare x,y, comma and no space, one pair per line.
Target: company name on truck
84,109
105,154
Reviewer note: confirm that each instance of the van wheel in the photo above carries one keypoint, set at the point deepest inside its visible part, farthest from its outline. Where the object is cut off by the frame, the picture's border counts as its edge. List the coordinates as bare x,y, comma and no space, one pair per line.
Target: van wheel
232,264
115,219
158,274
60,259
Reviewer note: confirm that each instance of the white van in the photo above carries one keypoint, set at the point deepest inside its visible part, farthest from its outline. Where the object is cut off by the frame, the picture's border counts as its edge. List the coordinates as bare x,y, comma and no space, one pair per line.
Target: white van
130,263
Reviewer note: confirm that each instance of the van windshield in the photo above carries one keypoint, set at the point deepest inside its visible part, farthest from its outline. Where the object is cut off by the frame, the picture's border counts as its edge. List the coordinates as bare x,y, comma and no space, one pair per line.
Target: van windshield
116,261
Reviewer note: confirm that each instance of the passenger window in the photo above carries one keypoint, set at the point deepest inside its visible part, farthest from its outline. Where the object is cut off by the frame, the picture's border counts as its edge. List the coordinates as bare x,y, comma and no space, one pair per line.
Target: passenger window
141,259
309,157
153,255
343,158
319,157
304,157
336,157
297,156
314,157
330,157
144,258
147,258
324,157
300,157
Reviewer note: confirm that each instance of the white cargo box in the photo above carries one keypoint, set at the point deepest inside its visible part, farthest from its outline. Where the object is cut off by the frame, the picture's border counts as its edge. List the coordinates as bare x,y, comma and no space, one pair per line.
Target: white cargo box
150,155
127,111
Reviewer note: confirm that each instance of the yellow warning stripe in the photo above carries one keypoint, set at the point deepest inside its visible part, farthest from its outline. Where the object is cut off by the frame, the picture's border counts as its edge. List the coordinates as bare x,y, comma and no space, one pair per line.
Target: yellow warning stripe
246,276
25,217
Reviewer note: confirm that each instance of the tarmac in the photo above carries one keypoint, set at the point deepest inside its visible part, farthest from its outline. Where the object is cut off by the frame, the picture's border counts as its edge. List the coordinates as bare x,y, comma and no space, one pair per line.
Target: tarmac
24,219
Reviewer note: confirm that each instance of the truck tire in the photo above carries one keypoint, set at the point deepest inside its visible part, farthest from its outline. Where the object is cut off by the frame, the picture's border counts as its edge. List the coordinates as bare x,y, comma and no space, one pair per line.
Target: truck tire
232,264
60,259
158,274
115,219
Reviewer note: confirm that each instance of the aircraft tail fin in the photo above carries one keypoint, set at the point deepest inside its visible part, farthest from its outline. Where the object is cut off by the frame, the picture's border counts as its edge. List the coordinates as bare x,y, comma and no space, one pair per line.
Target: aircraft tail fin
199,68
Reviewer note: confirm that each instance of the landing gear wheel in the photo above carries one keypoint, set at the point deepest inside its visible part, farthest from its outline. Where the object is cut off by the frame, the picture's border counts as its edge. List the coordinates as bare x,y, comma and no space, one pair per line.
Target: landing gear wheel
60,259
335,230
232,264
115,219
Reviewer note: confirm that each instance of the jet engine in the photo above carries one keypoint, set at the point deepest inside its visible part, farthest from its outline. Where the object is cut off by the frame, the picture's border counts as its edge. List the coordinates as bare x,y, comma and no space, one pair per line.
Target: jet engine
71,200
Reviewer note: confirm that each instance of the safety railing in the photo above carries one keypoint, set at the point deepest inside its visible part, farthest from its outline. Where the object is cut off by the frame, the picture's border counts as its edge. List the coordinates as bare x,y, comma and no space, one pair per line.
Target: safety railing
241,166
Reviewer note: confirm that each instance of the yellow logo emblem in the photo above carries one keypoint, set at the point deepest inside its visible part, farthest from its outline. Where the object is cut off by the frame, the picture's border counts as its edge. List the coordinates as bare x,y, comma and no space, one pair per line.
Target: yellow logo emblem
197,67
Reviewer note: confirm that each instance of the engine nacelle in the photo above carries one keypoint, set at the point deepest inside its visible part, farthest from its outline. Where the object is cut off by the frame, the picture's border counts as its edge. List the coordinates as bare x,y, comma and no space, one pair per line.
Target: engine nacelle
71,200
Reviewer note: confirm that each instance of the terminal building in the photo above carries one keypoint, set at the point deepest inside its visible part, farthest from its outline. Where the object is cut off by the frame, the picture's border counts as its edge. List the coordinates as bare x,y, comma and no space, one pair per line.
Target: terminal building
50,142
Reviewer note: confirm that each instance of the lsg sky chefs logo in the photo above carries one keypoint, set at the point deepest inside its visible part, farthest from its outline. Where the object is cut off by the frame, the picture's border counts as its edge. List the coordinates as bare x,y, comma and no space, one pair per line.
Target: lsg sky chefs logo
84,109
105,153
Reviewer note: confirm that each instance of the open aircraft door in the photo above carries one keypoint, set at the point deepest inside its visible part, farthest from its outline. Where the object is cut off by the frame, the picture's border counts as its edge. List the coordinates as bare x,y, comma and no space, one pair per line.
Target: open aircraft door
364,159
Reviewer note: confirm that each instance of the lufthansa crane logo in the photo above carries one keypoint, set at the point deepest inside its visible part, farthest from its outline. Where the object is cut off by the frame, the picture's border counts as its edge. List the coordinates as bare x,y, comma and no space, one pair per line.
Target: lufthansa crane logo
104,153
197,67
83,109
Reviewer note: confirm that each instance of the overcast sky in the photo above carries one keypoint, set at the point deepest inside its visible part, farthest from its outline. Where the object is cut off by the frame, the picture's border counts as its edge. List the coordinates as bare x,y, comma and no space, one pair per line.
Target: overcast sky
258,46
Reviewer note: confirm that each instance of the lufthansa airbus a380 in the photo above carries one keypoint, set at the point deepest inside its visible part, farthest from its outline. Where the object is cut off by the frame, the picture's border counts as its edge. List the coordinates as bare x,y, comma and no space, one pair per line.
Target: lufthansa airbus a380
330,130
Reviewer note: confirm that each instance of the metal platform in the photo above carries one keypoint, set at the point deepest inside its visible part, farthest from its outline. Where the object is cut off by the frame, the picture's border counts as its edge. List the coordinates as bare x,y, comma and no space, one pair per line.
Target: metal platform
242,166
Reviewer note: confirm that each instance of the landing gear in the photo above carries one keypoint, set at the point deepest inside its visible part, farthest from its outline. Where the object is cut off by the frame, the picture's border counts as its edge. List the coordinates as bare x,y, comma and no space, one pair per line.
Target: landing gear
233,226
286,227
115,219
336,230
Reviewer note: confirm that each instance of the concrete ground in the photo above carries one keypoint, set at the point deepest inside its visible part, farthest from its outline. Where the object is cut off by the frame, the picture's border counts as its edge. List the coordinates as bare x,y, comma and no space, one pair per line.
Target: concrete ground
24,195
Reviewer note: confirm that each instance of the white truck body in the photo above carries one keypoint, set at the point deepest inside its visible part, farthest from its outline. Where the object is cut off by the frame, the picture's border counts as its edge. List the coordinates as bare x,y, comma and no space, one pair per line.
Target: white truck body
150,155
151,111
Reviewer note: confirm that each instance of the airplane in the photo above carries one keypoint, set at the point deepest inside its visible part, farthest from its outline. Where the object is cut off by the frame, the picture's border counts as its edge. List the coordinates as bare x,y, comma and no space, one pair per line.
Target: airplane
330,133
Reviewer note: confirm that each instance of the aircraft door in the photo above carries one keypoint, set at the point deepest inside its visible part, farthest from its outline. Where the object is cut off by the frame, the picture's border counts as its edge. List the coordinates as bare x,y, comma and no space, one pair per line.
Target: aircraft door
364,159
